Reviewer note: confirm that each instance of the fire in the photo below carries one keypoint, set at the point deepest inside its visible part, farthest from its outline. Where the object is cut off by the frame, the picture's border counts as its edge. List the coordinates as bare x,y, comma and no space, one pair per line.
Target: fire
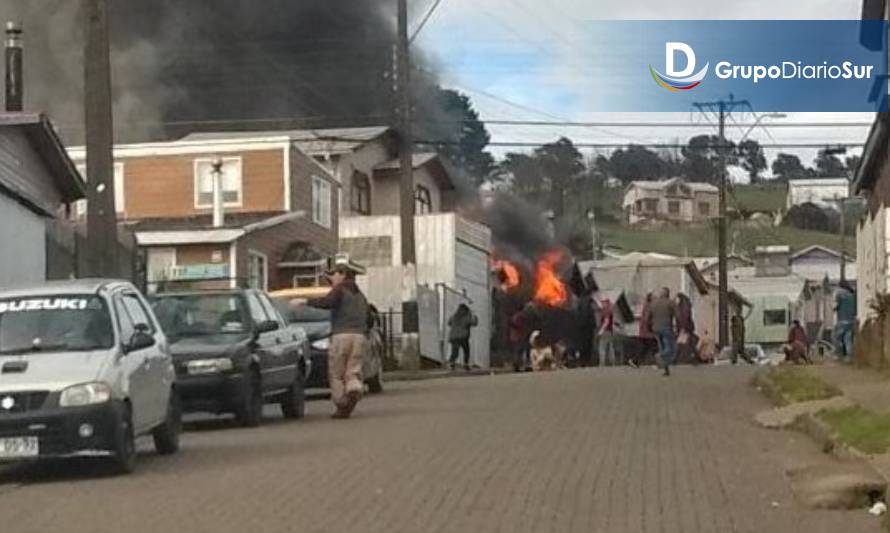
549,290
508,274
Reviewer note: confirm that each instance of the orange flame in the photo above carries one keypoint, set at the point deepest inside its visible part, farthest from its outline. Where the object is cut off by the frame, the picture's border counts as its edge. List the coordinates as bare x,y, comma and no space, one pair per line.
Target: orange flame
508,273
549,290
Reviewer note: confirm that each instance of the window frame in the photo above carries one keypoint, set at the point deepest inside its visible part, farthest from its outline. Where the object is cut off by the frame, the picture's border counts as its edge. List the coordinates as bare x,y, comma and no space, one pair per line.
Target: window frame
360,194
704,209
321,207
254,254
422,198
771,323
672,203
196,179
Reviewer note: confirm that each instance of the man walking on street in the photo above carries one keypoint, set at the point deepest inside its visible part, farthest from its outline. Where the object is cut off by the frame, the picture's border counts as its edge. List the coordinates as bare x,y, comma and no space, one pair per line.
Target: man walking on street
664,314
349,341
845,307
607,334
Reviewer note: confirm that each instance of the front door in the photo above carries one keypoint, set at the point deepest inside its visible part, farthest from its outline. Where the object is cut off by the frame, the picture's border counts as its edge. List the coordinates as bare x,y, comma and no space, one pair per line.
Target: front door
158,384
269,345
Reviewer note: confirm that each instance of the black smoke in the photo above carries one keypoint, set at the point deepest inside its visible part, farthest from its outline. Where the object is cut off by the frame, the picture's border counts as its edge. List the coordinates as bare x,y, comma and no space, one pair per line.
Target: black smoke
187,65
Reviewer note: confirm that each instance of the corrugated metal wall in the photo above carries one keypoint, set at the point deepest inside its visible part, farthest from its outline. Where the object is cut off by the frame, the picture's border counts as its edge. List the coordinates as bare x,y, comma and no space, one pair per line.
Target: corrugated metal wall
23,244
451,251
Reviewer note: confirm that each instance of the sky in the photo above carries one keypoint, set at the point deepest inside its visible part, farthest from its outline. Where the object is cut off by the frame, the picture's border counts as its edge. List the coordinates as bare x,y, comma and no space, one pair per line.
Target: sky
521,60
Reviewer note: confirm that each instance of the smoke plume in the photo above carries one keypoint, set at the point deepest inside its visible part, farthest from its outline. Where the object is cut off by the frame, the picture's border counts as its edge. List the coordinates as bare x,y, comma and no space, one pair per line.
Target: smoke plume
186,65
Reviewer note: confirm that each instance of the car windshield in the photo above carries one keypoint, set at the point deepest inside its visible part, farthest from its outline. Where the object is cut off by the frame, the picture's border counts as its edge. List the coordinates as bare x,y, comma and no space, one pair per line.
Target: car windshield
301,315
194,315
55,323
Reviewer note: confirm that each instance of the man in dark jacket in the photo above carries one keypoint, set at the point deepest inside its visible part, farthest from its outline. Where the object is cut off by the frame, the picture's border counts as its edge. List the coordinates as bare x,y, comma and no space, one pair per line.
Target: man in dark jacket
349,341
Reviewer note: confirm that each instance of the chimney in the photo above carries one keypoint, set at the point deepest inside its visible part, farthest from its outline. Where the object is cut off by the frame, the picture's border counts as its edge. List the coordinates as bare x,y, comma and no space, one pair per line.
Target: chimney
14,57
216,174
772,261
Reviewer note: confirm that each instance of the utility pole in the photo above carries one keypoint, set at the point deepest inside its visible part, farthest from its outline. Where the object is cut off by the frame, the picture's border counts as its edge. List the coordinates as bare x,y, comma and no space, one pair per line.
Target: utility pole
101,216
842,208
410,318
722,108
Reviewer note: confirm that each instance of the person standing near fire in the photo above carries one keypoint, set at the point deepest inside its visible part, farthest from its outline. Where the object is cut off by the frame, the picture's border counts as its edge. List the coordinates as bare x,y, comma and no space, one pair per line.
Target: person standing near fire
461,324
607,334
349,339
664,314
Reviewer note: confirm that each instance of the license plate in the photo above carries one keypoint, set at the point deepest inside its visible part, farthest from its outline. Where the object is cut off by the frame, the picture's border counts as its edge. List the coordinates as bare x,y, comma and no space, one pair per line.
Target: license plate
19,447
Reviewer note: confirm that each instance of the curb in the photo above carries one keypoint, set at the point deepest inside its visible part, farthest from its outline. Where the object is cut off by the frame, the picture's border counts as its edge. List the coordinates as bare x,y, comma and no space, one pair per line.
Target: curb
809,423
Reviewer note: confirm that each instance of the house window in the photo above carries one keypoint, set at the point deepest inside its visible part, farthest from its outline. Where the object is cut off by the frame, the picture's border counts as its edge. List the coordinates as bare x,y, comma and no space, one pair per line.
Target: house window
360,194
704,209
231,182
775,317
308,276
674,207
80,207
650,205
423,202
321,202
257,270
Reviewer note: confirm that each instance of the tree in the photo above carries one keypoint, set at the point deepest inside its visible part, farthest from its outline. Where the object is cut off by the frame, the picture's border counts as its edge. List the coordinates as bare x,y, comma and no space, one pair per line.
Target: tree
829,165
701,157
752,159
636,163
464,137
788,167
560,164
523,174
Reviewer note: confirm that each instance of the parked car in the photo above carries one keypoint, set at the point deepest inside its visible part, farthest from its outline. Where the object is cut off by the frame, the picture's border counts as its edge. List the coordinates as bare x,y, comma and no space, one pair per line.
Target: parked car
85,369
233,353
317,324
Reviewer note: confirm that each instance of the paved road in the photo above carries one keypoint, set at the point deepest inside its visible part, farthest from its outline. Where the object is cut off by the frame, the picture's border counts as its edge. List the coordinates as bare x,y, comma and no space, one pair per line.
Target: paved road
612,450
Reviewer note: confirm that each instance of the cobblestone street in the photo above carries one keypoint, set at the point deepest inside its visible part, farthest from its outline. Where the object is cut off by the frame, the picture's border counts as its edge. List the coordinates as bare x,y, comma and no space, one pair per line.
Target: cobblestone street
613,450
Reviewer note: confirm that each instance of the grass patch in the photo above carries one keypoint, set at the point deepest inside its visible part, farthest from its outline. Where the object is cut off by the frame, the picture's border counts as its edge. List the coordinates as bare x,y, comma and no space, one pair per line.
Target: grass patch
799,385
767,197
860,428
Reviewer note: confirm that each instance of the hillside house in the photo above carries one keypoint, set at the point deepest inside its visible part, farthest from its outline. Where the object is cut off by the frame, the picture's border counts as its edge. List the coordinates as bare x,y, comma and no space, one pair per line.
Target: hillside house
38,182
673,200
279,206
823,192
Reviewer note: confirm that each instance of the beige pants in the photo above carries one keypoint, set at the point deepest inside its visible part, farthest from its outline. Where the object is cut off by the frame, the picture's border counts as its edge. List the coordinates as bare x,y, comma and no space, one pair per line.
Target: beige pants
345,358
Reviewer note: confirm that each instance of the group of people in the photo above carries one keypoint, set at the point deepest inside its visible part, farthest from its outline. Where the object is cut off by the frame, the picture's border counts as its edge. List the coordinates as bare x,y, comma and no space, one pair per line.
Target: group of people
667,328
797,346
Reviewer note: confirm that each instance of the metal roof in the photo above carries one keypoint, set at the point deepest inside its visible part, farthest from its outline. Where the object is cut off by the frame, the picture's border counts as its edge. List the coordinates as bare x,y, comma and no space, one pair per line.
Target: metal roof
311,141
662,184
750,286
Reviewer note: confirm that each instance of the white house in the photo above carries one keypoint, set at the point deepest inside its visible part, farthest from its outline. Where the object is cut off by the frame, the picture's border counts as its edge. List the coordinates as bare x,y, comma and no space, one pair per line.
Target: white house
823,192
674,200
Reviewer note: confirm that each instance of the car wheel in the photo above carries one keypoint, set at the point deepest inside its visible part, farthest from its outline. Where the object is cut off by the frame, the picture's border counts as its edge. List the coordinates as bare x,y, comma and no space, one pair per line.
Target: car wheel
124,460
375,384
293,404
250,412
166,436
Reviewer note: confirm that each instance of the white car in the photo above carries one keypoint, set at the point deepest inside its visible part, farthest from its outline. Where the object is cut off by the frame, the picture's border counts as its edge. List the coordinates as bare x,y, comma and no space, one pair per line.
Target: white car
84,370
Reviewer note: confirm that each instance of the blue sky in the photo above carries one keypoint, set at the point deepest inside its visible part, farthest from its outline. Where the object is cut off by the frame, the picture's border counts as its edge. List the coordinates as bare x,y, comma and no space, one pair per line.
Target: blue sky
521,60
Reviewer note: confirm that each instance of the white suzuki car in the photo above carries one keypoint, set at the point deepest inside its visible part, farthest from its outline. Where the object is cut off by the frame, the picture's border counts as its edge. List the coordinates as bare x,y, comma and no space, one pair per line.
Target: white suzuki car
84,370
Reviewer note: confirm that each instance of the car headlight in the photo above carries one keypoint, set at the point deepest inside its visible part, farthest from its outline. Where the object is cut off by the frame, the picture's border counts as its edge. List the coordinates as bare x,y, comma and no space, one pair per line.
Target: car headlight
322,344
85,394
209,366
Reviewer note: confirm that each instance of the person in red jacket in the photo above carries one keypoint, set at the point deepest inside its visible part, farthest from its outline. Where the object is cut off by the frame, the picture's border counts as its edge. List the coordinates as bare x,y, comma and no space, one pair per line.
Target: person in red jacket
796,349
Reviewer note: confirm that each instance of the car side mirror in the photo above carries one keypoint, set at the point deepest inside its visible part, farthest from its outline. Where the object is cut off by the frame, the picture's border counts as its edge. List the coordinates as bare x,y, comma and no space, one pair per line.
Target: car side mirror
140,341
267,326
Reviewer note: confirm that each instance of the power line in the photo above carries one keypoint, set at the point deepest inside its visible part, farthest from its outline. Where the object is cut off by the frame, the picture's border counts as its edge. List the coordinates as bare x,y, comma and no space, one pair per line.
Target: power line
521,144
423,22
